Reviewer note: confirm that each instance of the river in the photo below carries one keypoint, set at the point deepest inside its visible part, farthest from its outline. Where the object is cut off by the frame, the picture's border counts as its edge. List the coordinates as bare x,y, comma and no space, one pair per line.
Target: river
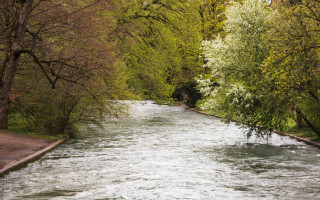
167,152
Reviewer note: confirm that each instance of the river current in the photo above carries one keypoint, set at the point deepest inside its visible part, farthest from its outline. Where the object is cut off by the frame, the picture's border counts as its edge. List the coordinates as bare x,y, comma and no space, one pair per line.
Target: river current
167,152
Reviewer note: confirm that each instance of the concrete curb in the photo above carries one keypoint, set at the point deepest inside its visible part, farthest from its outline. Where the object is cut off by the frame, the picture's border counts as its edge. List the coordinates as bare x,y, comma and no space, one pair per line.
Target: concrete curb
275,131
19,163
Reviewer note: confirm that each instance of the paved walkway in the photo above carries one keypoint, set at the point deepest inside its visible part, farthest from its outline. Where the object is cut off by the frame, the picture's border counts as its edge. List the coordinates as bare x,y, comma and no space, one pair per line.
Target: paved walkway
16,147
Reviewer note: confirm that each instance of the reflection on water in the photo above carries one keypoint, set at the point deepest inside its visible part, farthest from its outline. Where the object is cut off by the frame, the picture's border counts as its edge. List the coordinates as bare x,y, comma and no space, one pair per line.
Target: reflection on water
165,152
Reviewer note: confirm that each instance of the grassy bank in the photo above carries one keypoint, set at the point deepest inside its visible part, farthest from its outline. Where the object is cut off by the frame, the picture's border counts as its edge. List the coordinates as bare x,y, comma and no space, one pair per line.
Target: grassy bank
19,131
304,132
24,125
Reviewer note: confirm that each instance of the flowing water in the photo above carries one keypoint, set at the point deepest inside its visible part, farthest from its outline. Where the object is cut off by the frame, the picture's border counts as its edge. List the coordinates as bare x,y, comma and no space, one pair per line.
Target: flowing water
166,152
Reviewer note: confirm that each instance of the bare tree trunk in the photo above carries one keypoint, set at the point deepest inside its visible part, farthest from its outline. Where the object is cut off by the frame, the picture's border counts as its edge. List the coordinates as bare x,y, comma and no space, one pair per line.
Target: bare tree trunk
10,64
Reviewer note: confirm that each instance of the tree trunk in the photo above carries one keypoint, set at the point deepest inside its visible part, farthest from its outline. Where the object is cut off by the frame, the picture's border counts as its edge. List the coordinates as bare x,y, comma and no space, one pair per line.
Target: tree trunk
14,47
299,120
315,129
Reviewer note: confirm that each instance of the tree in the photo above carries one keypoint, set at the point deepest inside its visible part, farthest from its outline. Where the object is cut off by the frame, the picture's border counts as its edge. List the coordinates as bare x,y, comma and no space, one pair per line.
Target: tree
212,15
154,54
267,67
71,62
237,87
294,58
14,20
163,53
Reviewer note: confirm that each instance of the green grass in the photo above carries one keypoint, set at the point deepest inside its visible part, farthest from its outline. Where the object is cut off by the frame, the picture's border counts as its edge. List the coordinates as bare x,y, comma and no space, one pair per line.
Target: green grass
305,132
20,131
17,124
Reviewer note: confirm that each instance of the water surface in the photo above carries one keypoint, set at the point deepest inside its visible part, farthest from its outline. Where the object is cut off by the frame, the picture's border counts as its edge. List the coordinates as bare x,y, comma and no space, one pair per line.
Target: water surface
166,152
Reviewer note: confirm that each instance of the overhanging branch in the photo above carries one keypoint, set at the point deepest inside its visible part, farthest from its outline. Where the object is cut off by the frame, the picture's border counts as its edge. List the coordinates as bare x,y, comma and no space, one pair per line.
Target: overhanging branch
37,61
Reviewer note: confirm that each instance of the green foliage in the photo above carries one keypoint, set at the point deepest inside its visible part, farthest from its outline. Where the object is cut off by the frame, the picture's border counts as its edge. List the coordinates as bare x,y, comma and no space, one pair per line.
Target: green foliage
142,49
304,132
74,70
212,15
237,86
59,111
266,68
162,54
293,63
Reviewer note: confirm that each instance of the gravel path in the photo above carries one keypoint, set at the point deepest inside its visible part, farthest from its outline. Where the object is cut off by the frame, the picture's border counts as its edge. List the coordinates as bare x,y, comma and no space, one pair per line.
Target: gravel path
14,147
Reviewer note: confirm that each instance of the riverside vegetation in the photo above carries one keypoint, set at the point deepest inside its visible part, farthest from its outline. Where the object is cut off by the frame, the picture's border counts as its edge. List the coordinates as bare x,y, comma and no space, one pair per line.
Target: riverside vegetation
63,63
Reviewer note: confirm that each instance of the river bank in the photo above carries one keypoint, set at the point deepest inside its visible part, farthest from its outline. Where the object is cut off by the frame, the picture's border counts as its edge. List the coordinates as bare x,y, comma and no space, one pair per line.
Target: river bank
17,150
301,139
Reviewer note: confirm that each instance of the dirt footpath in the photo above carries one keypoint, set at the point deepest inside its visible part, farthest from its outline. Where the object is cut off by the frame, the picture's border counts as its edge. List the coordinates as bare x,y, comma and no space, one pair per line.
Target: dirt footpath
14,147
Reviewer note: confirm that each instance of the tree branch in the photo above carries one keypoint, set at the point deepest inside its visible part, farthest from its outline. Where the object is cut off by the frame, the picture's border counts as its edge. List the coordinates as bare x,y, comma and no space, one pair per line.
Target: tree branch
37,61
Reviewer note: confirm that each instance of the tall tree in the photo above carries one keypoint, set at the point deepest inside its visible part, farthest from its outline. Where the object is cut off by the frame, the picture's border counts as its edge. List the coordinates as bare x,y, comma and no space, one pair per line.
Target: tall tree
64,55
294,58
267,67
237,87
14,21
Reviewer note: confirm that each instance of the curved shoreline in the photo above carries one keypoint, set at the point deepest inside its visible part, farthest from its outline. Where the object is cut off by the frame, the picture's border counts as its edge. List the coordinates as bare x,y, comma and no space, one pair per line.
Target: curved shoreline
309,142
21,152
